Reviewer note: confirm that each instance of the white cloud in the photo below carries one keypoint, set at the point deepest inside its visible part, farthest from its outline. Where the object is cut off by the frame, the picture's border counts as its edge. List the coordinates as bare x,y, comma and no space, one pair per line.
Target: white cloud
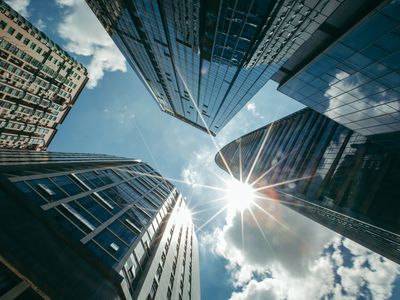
268,289
40,24
20,6
189,176
251,107
370,270
85,36
301,264
292,244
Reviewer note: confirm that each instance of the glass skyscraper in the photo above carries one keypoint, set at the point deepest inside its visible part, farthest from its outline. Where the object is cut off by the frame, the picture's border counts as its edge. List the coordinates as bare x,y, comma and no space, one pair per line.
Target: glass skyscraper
352,74
202,61
326,172
89,226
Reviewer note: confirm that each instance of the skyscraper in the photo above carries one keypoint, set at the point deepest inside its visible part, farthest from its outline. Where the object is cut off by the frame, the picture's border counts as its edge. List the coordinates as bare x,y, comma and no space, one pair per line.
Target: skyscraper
326,172
351,74
39,83
89,226
202,61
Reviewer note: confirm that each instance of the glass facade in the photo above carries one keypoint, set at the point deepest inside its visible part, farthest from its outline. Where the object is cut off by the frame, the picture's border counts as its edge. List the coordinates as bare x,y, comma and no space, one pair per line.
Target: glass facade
117,210
333,175
14,287
356,80
202,61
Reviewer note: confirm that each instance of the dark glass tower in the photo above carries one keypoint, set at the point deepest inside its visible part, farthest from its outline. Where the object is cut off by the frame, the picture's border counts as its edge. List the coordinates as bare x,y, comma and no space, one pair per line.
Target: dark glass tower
351,73
202,61
88,226
333,175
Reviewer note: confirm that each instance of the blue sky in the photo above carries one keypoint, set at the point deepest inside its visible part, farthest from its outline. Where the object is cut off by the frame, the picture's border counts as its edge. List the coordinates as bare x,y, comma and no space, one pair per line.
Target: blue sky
116,115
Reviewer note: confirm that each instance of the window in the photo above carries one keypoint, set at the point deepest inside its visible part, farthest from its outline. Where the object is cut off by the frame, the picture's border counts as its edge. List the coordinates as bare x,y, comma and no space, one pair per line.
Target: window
46,189
153,290
33,46
163,257
159,271
114,246
130,273
77,215
39,50
18,36
26,41
11,30
3,24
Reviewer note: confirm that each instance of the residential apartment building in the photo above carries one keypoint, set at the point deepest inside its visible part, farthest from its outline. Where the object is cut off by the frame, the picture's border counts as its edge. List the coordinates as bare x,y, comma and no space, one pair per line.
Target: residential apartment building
90,226
39,83
326,172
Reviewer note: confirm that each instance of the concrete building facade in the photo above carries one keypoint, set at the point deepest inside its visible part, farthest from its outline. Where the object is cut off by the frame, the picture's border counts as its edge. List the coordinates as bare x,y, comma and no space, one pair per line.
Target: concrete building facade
39,83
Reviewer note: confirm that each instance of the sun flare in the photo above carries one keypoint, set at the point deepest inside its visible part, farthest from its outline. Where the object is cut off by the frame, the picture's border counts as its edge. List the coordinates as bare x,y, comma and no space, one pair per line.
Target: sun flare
240,196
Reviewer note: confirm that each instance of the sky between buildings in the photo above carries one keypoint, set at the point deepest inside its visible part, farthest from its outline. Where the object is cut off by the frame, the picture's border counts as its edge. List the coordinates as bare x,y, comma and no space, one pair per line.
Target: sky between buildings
116,115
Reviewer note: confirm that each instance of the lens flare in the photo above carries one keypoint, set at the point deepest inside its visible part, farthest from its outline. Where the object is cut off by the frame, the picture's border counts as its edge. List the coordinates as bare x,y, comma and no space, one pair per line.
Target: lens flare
240,196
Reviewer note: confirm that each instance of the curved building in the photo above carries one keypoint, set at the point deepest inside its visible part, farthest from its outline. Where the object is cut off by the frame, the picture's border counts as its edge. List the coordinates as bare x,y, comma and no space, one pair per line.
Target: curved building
327,173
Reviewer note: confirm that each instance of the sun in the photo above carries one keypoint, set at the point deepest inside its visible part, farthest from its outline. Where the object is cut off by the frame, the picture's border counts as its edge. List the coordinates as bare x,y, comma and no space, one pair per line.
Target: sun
240,196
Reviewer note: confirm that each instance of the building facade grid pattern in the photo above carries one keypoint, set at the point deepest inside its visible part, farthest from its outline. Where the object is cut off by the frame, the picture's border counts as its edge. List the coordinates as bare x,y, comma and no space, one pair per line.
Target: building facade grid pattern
124,215
356,80
39,83
203,61
319,166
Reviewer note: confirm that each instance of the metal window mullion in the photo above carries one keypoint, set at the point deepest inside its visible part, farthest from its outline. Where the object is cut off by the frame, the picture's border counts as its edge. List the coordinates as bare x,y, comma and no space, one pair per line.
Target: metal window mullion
100,228
40,176
110,220
15,291
84,194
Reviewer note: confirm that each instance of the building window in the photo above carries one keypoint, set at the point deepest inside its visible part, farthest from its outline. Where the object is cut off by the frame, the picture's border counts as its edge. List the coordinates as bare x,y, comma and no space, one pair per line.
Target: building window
153,290
130,273
3,24
11,30
159,271
26,41
18,36
33,46
46,189
39,50
77,215
163,256
114,246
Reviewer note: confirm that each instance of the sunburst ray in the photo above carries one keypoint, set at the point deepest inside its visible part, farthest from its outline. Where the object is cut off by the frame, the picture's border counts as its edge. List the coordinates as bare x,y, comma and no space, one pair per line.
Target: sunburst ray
211,218
204,122
282,183
264,140
263,233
